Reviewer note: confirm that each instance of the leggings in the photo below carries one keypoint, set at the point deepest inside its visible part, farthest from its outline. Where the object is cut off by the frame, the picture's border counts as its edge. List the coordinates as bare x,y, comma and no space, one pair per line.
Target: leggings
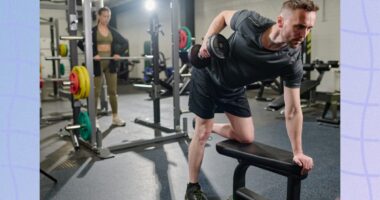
111,81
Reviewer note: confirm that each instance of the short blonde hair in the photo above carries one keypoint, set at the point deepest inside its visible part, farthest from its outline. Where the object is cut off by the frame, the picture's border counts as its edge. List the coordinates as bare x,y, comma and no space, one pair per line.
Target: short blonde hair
307,5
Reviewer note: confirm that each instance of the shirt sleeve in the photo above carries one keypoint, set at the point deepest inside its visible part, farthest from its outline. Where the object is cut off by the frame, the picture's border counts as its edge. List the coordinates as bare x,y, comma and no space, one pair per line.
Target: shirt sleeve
293,75
245,22
237,18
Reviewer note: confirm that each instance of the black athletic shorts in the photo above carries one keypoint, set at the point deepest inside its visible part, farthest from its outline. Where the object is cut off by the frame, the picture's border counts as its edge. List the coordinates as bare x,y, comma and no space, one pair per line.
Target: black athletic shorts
208,97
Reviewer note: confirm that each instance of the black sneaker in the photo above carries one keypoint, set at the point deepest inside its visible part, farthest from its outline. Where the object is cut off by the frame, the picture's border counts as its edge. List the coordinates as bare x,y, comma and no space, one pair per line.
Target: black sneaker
194,192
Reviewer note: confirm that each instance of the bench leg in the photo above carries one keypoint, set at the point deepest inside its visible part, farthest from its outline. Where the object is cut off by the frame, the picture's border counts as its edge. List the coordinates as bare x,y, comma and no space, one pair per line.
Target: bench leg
239,178
294,189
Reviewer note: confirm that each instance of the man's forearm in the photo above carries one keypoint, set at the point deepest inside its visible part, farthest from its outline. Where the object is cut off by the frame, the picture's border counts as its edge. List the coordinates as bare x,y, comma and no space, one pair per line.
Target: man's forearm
216,26
219,23
294,129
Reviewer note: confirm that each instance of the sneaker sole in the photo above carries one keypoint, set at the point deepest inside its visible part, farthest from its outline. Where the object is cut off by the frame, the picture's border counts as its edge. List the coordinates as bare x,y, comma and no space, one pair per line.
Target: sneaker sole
121,125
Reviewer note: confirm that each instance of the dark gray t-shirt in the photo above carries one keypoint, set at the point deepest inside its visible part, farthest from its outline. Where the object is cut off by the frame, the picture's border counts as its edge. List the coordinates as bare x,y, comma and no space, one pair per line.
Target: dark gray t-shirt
249,61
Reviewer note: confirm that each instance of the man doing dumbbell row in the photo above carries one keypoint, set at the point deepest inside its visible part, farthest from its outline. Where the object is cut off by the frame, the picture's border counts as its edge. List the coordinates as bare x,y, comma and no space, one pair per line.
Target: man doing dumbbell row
259,49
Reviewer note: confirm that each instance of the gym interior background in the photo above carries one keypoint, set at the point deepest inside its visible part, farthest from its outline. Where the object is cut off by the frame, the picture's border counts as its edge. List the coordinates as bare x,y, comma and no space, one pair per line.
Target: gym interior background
159,171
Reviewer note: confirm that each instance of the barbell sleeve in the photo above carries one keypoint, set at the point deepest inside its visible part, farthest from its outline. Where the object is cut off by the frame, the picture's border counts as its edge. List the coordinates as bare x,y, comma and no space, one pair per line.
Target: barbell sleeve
66,83
142,85
71,37
57,58
72,127
186,75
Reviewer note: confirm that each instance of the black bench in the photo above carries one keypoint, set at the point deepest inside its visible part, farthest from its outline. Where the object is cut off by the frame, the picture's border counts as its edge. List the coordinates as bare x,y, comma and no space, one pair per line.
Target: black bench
265,157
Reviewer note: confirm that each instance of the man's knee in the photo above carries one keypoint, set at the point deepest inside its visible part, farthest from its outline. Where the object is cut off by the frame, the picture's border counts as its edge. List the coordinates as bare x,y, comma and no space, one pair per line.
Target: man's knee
203,131
247,138
203,135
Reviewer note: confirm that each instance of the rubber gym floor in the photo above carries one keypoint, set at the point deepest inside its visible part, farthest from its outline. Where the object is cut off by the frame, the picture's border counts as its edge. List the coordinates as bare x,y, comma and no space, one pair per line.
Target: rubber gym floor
159,171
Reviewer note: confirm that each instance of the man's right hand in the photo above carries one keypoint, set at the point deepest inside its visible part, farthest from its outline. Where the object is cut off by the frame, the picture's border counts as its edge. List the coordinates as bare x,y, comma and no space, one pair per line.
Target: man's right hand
303,161
203,52
97,58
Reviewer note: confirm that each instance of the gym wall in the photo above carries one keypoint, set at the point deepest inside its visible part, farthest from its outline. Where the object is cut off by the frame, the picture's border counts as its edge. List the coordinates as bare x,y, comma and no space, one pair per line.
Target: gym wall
325,35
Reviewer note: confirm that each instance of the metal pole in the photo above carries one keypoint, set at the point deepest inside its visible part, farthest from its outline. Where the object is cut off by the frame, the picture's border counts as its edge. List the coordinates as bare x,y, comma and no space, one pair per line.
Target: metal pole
56,25
239,178
293,189
72,20
52,48
72,30
175,61
87,21
154,30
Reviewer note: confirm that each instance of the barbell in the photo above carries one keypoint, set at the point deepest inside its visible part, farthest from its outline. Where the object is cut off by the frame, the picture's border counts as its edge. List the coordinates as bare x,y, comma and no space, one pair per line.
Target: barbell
147,57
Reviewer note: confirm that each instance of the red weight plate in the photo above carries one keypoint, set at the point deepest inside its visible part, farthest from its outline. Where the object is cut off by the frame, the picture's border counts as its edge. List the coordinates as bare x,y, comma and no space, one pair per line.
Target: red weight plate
182,39
74,87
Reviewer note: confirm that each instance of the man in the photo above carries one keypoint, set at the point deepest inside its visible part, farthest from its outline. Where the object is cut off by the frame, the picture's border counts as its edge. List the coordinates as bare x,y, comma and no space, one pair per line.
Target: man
259,49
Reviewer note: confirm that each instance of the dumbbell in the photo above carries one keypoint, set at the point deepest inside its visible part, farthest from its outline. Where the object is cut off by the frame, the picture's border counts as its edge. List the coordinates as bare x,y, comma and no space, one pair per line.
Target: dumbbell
217,46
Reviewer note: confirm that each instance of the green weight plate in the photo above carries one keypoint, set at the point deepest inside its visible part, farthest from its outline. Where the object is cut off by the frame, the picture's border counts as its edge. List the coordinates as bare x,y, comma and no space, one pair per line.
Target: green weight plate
62,69
86,129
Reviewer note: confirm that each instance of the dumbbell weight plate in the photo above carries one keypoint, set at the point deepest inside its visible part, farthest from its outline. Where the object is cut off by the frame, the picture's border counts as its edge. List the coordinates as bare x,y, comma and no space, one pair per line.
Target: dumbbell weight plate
218,46
195,60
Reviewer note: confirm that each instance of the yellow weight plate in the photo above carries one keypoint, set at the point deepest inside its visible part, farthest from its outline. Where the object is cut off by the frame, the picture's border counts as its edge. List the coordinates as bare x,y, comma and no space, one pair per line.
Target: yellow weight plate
63,50
82,82
87,79
84,87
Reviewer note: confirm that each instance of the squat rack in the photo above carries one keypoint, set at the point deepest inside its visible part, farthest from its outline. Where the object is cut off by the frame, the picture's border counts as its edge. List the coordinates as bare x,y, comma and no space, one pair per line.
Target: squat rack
96,136
156,125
